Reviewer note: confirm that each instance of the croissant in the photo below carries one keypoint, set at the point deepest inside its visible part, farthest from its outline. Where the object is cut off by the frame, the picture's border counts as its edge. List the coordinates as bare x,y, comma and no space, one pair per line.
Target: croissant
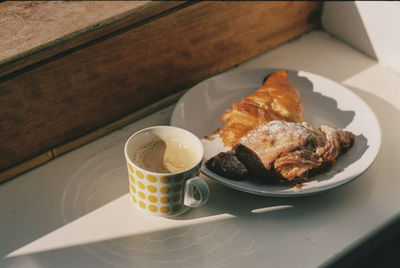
276,99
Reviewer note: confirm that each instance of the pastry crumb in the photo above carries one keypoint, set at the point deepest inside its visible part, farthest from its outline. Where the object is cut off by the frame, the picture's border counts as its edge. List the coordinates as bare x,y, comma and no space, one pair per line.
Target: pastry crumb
298,187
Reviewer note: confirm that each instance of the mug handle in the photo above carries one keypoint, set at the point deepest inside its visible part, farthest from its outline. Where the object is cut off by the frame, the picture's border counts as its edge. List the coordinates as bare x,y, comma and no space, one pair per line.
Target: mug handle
202,189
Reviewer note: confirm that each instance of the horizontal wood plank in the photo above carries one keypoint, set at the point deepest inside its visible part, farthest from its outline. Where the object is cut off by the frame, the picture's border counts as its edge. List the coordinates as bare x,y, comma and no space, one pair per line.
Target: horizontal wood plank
117,124
34,31
75,93
47,156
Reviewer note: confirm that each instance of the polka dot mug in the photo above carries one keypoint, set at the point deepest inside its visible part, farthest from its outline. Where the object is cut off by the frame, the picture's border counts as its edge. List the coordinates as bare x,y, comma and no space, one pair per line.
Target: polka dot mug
165,194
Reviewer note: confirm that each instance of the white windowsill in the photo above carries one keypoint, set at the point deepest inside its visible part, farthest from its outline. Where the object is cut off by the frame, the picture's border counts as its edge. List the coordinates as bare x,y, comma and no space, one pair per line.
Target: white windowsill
74,210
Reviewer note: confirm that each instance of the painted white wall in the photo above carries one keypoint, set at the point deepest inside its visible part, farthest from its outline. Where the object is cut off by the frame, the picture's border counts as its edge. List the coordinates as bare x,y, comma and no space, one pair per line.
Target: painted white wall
371,26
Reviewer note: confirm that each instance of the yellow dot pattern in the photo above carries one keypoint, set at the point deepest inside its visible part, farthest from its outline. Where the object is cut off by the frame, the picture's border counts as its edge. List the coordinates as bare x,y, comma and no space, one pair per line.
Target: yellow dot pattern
130,168
142,195
132,178
164,210
152,198
133,189
139,174
164,199
153,208
165,180
152,188
165,190
151,178
160,195
142,204
141,185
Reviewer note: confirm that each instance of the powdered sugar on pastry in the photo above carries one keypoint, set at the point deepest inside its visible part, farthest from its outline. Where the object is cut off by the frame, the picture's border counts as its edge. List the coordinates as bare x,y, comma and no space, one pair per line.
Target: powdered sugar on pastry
291,150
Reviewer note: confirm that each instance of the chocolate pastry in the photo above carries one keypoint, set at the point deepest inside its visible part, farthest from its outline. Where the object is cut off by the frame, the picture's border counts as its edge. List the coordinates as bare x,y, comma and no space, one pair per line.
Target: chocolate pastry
227,165
291,150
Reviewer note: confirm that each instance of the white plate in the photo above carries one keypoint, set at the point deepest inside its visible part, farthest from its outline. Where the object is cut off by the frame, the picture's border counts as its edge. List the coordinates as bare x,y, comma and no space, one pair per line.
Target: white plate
324,102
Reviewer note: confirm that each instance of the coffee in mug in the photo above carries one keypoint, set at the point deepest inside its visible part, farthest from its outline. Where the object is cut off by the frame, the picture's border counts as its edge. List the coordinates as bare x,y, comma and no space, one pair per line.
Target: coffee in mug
166,156
163,165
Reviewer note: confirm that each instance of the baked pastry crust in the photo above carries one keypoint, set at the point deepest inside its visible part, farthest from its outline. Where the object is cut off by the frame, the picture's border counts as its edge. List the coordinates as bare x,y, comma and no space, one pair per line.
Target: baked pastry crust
289,150
277,99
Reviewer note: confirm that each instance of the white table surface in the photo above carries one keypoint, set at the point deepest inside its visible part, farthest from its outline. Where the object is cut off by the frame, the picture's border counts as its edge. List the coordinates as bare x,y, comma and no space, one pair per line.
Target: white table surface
74,211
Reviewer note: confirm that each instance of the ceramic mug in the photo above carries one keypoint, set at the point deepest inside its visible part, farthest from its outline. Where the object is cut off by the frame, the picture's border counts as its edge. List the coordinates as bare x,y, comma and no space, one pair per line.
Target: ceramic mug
165,193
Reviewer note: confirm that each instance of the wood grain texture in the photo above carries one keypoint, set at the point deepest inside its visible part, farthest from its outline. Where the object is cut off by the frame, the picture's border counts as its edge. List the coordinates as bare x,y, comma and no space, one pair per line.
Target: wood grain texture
57,151
75,93
117,124
35,30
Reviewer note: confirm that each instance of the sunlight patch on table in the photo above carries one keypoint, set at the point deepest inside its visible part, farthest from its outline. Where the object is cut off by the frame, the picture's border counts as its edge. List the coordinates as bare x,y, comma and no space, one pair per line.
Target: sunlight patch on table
126,221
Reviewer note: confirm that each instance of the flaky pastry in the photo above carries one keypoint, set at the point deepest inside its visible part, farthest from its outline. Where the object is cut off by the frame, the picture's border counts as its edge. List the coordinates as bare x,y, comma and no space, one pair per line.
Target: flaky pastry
291,150
276,99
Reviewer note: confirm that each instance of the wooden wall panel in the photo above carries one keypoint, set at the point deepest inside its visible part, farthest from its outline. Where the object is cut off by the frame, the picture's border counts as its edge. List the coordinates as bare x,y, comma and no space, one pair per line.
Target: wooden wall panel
81,90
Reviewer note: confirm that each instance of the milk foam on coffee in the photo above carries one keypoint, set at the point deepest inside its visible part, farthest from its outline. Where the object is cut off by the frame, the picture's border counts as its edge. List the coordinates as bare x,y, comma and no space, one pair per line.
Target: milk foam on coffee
169,155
